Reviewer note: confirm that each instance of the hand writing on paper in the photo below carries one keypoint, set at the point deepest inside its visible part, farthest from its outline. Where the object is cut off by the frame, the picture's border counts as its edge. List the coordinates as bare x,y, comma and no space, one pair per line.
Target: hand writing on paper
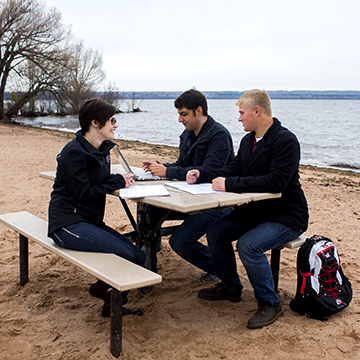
192,176
218,184
156,168
129,179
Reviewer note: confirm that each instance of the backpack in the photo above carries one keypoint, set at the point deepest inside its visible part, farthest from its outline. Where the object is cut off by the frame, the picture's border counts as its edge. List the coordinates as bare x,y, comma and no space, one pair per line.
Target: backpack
322,287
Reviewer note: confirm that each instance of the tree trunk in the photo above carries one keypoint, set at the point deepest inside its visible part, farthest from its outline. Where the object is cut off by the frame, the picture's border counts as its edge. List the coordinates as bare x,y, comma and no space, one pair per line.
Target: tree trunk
14,109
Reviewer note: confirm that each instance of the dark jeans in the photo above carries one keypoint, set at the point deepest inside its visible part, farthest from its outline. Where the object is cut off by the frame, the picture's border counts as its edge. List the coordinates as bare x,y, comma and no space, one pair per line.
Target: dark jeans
184,240
253,241
87,237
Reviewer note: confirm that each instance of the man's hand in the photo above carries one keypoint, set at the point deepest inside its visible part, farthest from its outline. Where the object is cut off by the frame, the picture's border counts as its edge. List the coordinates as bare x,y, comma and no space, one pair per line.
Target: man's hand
218,184
129,179
146,165
192,176
156,168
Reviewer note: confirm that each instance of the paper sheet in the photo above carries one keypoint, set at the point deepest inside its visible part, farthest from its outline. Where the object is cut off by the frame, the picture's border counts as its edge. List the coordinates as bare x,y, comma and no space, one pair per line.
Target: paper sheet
195,189
134,192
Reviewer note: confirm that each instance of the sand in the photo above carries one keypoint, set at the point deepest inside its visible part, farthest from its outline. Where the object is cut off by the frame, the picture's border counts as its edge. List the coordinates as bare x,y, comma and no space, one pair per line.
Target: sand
54,317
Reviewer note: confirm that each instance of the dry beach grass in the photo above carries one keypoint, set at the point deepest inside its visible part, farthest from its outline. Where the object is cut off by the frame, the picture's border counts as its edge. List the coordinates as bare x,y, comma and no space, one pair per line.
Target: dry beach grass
54,317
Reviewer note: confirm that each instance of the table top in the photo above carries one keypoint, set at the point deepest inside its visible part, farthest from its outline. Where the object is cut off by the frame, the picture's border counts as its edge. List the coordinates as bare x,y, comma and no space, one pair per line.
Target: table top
185,202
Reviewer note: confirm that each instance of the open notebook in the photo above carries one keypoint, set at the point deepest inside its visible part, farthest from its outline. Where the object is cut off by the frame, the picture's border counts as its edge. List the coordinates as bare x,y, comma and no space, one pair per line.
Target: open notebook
139,174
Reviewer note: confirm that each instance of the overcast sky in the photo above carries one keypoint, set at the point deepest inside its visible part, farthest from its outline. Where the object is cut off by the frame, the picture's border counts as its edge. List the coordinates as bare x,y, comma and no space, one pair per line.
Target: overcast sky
166,45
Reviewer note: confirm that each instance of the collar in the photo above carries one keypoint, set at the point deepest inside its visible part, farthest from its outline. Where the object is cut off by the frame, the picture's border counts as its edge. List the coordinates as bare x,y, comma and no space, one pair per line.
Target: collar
105,146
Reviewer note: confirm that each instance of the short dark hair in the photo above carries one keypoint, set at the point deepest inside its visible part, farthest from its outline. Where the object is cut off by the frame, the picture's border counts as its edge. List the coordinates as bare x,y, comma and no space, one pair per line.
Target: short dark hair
95,109
192,99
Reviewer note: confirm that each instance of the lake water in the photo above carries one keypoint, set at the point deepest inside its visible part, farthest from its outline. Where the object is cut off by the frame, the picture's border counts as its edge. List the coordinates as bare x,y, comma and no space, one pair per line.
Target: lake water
327,129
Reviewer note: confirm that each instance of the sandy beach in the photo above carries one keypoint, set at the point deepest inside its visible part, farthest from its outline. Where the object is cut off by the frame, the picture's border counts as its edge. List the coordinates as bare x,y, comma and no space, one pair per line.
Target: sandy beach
54,317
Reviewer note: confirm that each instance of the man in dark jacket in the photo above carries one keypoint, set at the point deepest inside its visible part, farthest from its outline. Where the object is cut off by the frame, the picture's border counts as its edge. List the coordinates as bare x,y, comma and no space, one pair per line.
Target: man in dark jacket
204,144
267,161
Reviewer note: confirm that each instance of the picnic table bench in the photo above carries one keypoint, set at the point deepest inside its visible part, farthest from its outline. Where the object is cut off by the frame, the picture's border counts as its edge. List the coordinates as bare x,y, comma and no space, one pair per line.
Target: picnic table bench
275,256
117,272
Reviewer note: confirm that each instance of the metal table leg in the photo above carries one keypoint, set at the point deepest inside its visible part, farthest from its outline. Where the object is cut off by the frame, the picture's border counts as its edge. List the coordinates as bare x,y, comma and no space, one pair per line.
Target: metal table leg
24,259
116,323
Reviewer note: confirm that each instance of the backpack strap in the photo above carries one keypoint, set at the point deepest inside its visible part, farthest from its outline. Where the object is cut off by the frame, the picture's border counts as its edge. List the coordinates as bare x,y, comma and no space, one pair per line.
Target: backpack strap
303,283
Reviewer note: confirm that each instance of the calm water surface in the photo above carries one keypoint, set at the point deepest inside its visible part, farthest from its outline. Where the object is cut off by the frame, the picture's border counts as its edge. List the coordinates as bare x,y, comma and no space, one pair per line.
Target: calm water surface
327,129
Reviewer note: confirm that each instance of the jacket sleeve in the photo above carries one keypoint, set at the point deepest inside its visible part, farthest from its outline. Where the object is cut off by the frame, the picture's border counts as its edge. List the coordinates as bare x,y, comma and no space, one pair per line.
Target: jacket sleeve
274,169
208,174
76,175
219,151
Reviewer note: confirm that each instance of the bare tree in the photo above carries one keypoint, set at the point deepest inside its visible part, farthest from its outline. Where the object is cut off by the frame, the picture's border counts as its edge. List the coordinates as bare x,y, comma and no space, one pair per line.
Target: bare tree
112,96
85,72
33,47
35,80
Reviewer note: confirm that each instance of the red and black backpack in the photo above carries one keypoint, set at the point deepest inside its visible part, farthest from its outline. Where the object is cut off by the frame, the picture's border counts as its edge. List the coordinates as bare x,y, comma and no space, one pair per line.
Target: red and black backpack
322,287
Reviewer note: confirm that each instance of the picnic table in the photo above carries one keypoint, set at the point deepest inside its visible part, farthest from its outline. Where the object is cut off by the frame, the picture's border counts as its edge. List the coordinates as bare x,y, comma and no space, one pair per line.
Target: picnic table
179,201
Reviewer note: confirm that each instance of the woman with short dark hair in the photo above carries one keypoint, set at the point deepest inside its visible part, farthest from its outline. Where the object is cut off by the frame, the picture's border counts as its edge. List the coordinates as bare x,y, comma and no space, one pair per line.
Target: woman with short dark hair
83,179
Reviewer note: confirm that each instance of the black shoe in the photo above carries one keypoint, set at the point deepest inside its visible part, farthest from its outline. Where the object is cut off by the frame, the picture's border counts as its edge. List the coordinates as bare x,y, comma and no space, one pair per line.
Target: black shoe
207,277
219,292
125,311
100,290
265,315
145,290
105,312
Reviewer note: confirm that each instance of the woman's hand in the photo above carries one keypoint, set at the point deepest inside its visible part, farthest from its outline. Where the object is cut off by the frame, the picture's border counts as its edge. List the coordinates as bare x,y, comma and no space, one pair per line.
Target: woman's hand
129,179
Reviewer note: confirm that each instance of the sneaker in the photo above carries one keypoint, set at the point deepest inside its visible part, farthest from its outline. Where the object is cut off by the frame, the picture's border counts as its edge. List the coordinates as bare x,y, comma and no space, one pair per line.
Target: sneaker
219,292
265,315
207,277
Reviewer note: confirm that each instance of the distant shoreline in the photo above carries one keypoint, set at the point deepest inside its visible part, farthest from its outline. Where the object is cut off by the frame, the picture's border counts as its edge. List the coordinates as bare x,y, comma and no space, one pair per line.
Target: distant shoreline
274,94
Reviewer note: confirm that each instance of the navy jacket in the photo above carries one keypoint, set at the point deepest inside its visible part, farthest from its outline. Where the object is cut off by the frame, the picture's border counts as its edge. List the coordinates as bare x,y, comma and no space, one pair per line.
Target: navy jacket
82,181
211,149
273,168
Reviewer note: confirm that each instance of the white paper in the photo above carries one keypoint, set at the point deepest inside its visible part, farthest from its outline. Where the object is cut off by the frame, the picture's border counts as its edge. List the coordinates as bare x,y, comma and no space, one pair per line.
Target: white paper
133,192
195,189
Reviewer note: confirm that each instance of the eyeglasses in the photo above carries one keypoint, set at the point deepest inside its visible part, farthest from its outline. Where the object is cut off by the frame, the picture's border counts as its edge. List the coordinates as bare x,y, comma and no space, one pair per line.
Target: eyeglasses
113,120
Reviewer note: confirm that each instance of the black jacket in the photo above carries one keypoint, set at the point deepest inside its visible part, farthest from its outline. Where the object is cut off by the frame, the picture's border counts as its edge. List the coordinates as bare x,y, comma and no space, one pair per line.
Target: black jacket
82,181
273,168
212,148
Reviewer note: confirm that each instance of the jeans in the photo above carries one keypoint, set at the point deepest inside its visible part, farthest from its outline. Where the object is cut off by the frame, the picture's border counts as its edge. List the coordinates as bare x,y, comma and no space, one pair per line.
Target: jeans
84,236
184,240
253,241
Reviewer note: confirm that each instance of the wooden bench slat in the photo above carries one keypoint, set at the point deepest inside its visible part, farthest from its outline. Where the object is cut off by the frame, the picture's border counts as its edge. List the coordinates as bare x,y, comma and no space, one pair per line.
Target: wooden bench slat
119,273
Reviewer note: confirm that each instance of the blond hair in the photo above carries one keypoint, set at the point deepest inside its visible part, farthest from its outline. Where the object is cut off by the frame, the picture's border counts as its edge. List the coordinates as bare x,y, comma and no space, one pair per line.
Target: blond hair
254,98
